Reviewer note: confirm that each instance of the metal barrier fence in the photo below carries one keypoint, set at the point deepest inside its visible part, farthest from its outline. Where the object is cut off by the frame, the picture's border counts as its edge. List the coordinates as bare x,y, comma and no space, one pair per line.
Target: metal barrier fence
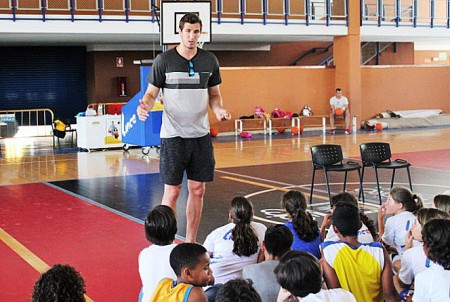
26,122
230,11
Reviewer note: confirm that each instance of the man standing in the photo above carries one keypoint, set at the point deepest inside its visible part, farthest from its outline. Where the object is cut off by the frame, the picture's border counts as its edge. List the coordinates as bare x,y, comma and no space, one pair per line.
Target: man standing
190,78
339,108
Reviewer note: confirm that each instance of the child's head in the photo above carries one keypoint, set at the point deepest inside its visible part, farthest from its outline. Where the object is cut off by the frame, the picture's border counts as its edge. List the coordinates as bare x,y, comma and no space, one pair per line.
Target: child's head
190,262
442,202
161,225
436,240
278,240
422,217
343,197
237,290
59,283
299,273
346,219
402,199
292,201
245,241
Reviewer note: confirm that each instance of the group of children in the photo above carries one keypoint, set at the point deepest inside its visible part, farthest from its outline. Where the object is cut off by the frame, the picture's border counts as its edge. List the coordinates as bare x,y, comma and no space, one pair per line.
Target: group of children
300,261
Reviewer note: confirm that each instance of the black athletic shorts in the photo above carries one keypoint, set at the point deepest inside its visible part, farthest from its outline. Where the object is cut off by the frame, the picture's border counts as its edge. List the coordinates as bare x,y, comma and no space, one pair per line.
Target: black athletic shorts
193,155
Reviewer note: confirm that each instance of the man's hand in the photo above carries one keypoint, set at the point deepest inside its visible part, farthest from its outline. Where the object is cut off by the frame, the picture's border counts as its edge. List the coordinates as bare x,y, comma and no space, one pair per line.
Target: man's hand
142,111
222,114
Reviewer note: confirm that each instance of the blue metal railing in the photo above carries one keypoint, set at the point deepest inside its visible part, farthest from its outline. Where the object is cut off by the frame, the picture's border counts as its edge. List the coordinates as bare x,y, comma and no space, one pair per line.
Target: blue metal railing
422,13
288,15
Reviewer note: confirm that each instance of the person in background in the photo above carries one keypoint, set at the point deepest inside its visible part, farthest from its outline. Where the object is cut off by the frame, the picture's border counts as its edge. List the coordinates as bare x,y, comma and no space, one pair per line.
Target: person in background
189,77
90,111
277,241
338,101
154,264
59,283
442,202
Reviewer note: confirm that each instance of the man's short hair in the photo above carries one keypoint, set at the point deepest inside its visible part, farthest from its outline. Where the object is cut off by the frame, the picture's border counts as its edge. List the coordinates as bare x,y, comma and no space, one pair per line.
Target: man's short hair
161,225
190,18
299,273
278,240
346,219
186,255
237,290
59,283
338,89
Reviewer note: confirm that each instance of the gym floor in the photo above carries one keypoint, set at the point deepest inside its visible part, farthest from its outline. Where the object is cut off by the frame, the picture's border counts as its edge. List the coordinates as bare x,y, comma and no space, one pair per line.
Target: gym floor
87,209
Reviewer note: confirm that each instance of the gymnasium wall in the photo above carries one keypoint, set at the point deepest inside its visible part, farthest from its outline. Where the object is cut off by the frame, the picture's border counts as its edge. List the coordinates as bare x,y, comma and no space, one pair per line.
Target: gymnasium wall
290,88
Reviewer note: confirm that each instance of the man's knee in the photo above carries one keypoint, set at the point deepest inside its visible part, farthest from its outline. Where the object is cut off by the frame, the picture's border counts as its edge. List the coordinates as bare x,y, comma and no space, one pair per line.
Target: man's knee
172,192
197,188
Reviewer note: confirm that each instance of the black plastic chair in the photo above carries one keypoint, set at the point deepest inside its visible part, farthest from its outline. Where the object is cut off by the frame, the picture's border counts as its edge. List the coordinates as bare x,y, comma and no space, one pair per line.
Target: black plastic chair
378,156
61,134
329,158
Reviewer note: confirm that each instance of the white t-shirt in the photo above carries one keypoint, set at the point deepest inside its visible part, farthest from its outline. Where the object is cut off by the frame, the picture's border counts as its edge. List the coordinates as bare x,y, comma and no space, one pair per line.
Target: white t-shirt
339,102
364,235
414,261
396,228
90,112
432,285
154,265
330,295
224,263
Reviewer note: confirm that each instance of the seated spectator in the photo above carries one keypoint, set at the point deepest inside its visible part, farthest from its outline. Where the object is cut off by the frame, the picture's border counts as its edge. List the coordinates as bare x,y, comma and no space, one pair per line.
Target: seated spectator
402,204
363,269
190,262
441,202
367,233
277,241
414,259
306,233
59,283
300,277
236,244
160,231
90,111
432,285
238,290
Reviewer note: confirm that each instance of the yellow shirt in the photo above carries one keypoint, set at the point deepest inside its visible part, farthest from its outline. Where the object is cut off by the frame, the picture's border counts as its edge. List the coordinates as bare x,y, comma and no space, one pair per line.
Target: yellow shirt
357,268
168,290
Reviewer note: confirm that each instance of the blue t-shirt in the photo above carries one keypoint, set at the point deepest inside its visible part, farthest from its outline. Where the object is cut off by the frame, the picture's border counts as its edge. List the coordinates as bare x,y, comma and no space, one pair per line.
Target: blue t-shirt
301,245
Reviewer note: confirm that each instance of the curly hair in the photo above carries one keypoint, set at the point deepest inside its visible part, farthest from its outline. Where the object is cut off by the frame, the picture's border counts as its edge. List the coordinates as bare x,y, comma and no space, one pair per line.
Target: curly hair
59,283
436,240
304,224
245,241
238,290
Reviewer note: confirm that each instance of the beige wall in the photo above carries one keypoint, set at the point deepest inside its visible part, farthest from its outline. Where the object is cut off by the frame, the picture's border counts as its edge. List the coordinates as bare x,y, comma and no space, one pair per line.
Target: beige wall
434,57
290,88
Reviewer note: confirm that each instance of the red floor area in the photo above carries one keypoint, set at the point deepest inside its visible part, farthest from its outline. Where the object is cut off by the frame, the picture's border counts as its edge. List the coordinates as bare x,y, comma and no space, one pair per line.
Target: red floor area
60,228
436,159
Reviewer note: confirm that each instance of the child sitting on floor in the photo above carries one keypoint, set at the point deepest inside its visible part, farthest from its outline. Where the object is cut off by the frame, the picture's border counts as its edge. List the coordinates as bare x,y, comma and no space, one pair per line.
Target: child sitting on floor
160,230
190,262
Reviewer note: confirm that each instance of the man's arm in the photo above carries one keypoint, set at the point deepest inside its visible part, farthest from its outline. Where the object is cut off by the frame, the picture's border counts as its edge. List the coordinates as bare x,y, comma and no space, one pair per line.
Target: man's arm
387,283
147,102
215,103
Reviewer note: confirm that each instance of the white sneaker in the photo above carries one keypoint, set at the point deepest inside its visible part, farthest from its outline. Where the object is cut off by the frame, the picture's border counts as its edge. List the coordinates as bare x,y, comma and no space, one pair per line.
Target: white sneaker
347,131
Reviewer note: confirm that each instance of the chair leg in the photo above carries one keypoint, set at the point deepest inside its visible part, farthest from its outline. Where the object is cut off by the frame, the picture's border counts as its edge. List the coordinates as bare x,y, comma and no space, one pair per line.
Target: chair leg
361,189
393,176
328,185
378,185
345,181
409,178
312,186
361,181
